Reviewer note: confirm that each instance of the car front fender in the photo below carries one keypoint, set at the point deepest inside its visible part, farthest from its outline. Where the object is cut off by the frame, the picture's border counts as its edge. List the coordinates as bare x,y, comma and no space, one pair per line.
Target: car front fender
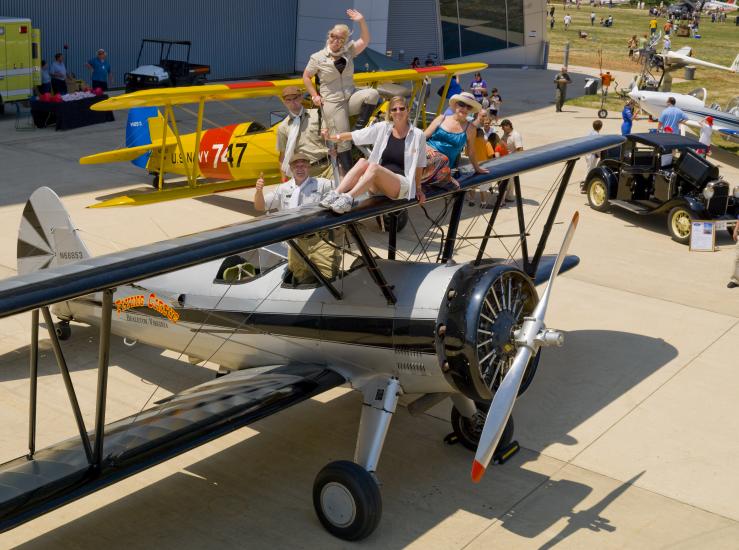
607,175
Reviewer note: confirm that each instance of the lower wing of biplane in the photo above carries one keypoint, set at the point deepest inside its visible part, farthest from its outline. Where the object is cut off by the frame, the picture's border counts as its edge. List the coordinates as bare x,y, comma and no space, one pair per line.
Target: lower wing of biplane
470,331
232,157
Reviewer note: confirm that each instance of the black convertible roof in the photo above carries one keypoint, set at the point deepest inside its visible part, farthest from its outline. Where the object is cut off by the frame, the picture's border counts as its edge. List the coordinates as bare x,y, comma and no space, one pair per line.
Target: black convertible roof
666,142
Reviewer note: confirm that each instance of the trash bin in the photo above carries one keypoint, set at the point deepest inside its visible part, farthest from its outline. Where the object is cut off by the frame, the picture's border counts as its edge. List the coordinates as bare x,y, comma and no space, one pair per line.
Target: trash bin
591,86
690,72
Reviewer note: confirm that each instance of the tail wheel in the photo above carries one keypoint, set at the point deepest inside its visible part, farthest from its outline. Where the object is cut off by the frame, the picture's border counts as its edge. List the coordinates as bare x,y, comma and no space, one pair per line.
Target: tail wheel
602,113
679,222
597,191
347,500
509,299
63,330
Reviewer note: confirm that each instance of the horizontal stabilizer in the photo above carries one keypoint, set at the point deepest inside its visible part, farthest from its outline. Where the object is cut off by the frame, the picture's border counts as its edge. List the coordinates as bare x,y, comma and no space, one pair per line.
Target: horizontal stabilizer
122,155
61,473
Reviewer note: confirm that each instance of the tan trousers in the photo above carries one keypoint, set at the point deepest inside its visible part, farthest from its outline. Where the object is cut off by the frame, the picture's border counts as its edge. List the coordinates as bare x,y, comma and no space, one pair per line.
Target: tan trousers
336,115
323,255
735,276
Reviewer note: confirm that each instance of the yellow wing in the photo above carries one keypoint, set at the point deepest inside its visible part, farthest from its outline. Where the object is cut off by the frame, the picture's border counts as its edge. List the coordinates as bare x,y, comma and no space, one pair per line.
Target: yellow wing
264,88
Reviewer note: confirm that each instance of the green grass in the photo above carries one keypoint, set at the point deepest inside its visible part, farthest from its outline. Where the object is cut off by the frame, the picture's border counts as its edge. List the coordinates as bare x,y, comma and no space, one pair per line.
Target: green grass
606,48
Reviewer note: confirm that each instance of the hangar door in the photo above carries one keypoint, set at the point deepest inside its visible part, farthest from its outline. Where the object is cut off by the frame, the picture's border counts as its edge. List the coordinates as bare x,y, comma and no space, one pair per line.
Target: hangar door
413,27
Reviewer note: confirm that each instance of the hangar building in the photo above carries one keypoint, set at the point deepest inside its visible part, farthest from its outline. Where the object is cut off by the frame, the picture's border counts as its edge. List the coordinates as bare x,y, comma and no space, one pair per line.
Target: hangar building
244,38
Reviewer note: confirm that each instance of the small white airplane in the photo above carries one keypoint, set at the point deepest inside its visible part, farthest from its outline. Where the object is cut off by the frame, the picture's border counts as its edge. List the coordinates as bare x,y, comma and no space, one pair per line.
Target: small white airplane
684,56
725,122
723,6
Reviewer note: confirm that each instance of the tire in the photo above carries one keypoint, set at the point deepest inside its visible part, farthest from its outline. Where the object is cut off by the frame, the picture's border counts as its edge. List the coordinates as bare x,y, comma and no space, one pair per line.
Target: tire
402,219
347,500
678,224
597,192
602,113
63,330
468,431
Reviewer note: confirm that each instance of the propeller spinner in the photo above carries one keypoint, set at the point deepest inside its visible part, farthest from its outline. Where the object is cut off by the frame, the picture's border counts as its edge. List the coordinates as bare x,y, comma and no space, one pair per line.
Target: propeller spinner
529,338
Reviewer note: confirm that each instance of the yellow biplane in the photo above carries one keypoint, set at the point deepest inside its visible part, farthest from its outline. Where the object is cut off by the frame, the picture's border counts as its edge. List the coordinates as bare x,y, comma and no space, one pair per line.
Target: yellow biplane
232,157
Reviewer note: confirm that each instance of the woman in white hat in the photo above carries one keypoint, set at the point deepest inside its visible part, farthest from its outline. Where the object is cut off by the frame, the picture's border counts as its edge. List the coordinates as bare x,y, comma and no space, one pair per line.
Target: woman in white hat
447,135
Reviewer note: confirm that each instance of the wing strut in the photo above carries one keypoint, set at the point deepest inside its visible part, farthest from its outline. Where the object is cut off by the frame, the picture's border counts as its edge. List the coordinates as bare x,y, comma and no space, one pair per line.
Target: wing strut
67,382
374,270
314,269
451,236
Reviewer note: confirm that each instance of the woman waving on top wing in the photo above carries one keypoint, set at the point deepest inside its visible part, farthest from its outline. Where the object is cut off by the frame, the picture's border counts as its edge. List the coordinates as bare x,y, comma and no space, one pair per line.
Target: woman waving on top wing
333,67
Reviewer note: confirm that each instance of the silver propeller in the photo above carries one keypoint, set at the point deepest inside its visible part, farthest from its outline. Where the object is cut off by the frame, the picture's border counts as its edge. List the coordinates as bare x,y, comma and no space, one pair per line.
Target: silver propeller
529,338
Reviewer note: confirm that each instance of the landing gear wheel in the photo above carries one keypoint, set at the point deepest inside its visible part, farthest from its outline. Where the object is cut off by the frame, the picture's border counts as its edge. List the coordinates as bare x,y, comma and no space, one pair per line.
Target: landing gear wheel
602,113
469,430
678,224
155,180
63,330
402,220
347,500
597,192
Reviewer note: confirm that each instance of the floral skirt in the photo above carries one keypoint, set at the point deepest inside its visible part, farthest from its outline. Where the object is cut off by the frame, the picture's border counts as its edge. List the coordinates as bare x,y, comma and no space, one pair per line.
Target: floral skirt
437,173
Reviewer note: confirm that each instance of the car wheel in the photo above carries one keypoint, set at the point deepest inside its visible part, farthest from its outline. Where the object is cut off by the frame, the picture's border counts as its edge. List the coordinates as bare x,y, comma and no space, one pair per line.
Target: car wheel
678,224
602,113
597,191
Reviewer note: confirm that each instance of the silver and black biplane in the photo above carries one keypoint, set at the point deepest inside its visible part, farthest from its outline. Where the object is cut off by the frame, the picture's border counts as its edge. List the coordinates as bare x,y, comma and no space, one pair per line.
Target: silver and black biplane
470,331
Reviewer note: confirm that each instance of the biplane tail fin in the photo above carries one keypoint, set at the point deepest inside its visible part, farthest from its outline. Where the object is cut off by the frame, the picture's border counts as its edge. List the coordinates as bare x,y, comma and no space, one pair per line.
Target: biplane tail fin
735,64
46,236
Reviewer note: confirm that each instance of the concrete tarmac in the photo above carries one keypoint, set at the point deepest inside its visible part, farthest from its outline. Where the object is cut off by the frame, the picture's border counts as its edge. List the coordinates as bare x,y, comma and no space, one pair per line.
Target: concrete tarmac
628,431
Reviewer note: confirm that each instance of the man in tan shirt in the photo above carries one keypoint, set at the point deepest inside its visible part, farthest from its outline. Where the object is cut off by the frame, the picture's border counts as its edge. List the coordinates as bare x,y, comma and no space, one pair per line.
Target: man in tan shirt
307,135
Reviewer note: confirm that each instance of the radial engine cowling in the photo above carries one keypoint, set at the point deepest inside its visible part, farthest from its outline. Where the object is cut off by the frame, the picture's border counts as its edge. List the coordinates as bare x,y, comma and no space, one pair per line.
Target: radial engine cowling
484,306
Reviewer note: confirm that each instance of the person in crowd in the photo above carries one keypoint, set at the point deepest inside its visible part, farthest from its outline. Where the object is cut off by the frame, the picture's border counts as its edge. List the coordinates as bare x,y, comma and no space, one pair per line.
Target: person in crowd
58,73
734,281
300,132
667,27
301,190
592,18
495,102
632,44
561,81
567,20
706,133
447,136
551,23
652,25
394,167
429,62
333,67
513,144
416,63
667,43
591,159
627,115
495,149
671,118
45,86
479,87
100,68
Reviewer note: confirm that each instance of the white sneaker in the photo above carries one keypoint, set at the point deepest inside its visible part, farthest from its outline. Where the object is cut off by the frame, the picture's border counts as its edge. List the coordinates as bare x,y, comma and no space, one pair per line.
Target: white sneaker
342,204
330,197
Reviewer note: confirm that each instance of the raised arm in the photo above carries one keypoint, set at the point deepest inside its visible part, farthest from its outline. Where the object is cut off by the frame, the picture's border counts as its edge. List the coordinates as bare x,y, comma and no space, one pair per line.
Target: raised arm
428,132
364,39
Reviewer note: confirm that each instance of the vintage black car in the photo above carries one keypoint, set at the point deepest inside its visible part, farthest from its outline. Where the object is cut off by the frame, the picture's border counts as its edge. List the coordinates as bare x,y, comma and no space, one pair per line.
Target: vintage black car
662,173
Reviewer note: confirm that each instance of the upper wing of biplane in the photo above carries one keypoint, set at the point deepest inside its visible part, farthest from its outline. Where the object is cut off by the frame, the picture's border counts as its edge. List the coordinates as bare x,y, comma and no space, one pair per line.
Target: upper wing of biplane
266,88
22,293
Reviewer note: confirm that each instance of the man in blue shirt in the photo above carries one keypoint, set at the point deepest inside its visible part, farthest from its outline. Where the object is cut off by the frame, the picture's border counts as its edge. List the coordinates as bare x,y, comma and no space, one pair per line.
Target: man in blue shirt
58,73
100,67
671,118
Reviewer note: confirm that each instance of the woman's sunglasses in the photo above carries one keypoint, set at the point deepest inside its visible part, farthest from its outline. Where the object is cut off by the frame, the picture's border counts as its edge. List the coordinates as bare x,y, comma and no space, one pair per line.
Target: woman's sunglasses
397,109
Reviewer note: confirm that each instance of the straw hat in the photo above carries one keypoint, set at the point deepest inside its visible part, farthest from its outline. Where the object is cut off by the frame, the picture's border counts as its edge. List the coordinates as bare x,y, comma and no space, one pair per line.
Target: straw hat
291,90
299,156
466,98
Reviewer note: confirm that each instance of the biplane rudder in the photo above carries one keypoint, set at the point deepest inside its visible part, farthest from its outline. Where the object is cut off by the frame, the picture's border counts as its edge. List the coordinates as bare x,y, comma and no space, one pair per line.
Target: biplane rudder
142,124
46,236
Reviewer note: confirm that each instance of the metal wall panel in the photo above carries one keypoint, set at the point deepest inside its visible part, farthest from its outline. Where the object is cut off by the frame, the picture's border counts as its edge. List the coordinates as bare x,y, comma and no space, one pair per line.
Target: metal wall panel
413,27
236,38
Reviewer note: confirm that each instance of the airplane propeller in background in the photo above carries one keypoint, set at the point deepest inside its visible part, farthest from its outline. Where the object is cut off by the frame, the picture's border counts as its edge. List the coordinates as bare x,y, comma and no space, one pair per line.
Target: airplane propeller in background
530,337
